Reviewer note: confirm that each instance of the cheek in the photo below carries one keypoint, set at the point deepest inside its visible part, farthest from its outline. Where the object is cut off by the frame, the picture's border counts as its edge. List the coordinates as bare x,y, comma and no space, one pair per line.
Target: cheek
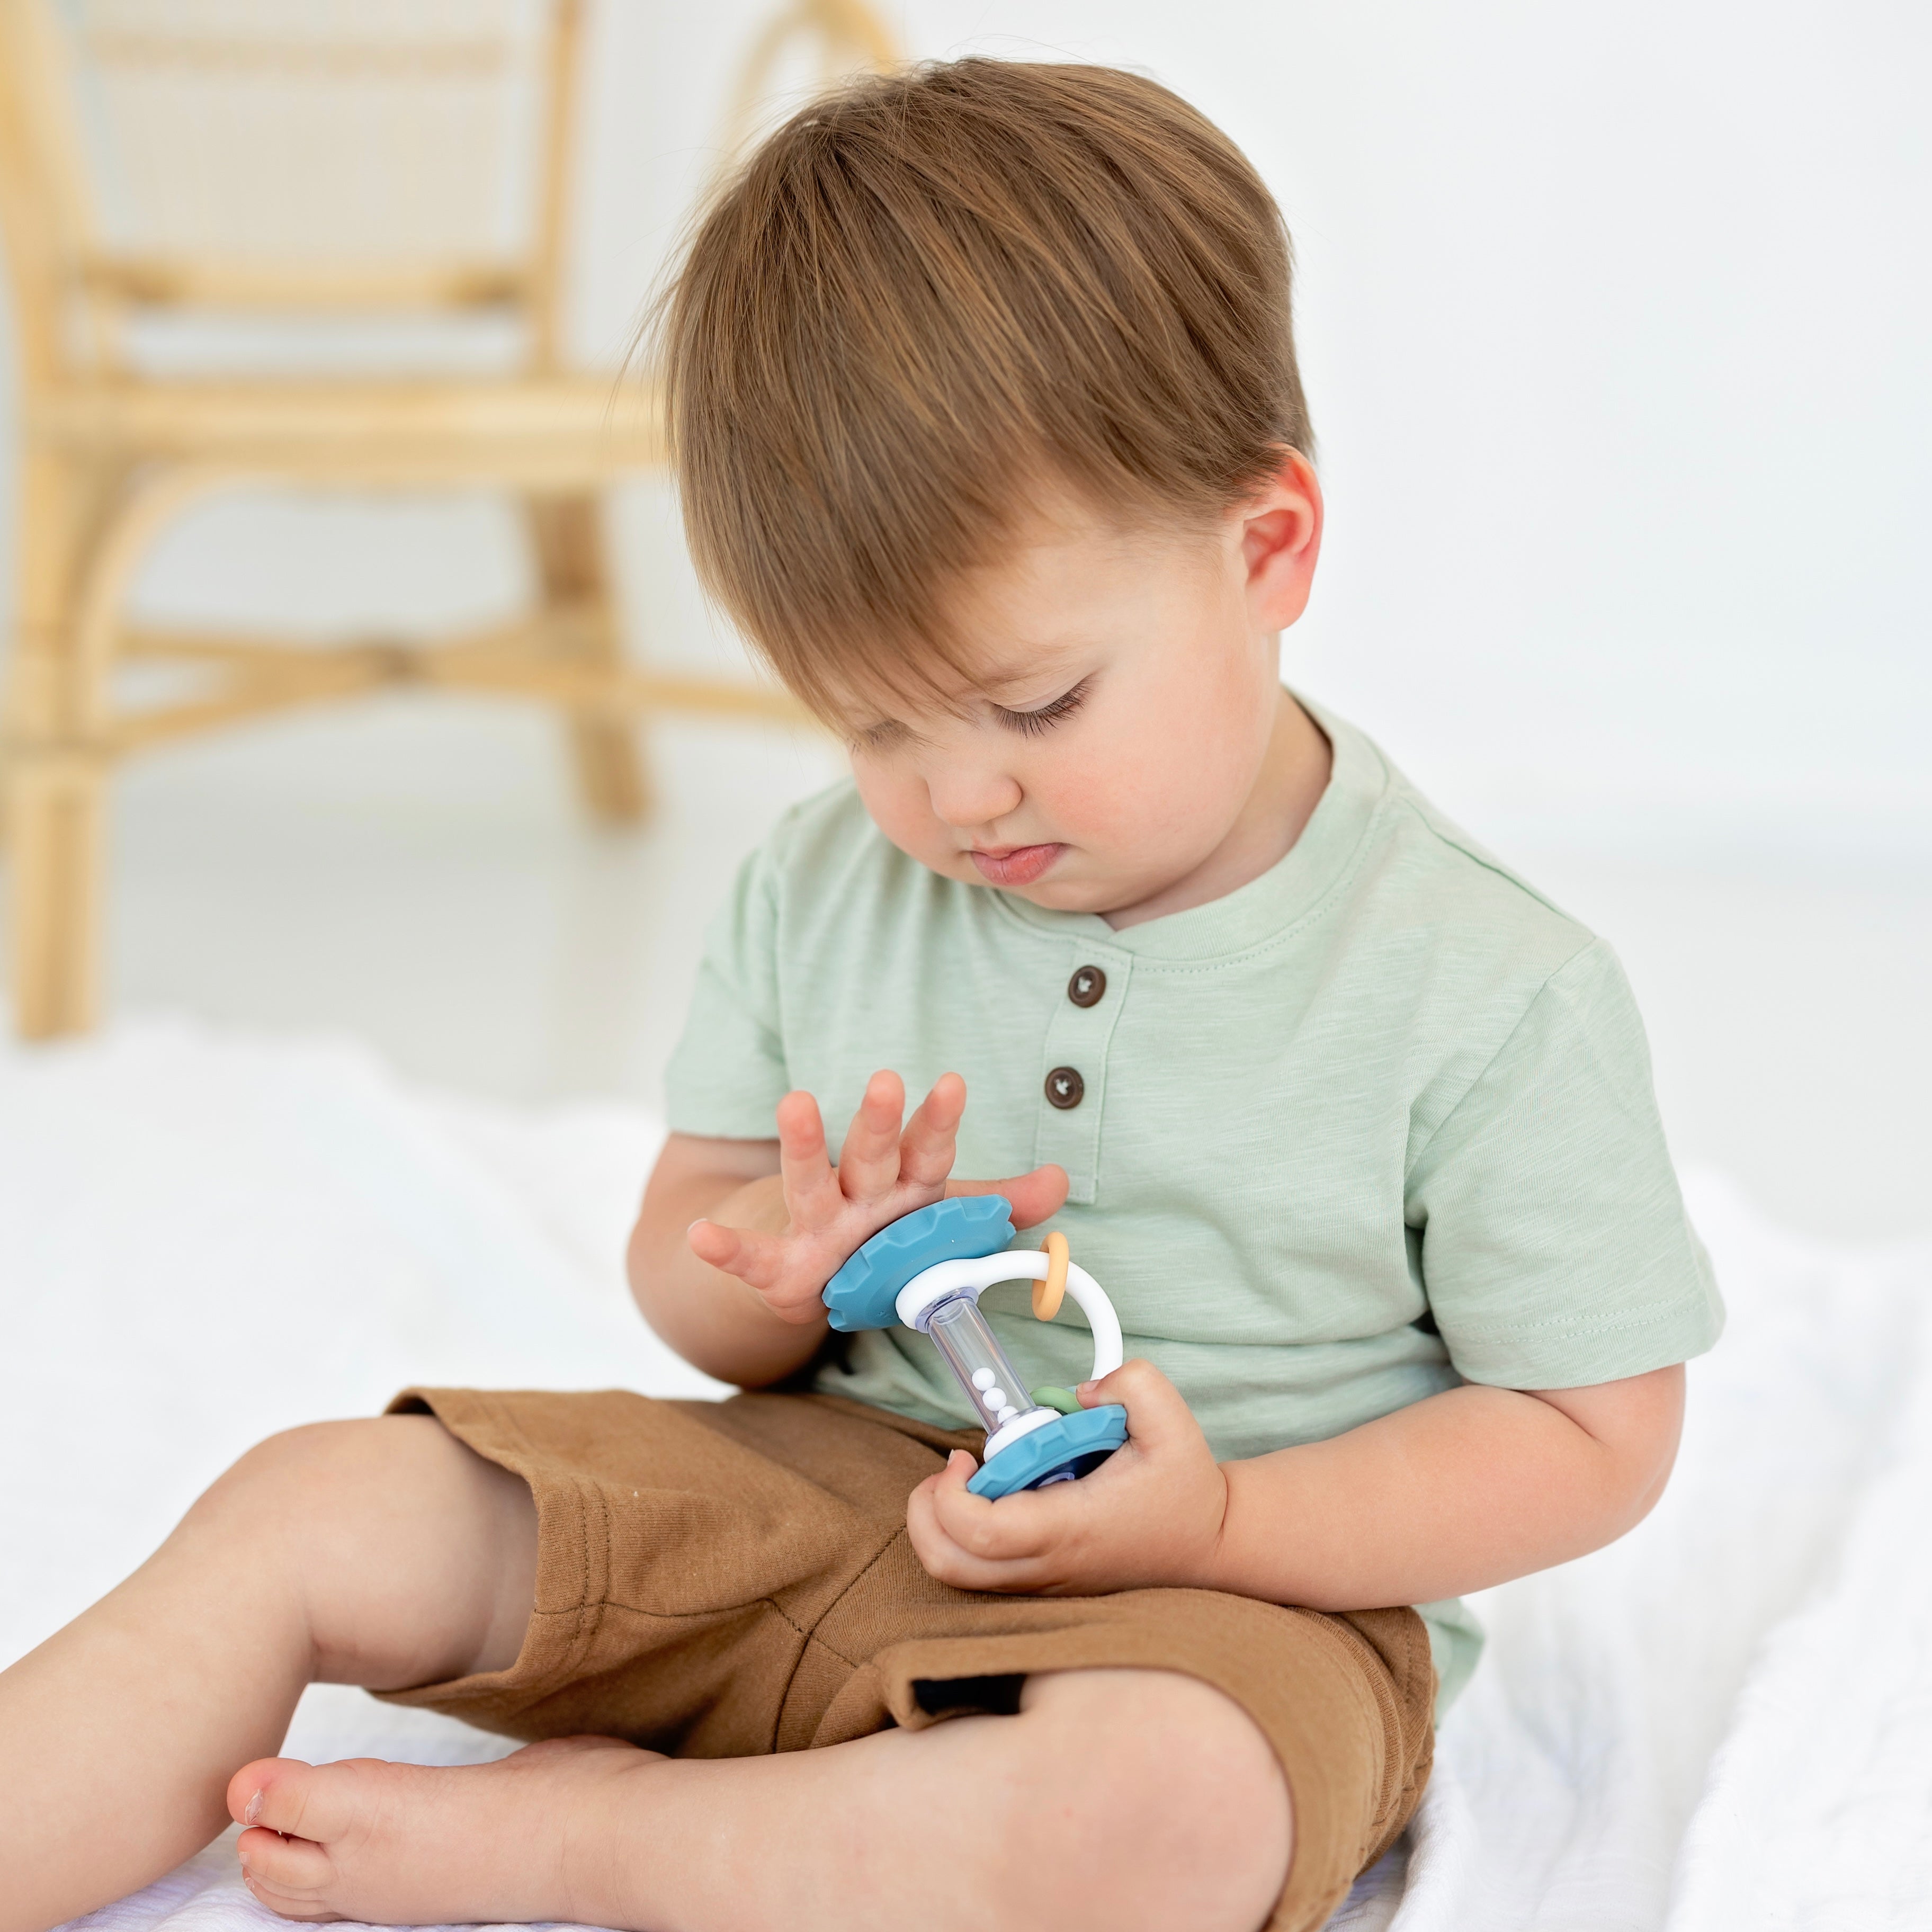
898,806
1170,763
1212,726
1116,803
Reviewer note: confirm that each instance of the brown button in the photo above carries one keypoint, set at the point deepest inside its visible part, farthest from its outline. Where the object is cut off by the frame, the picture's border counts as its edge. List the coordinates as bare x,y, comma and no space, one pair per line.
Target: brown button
1087,987
1064,1087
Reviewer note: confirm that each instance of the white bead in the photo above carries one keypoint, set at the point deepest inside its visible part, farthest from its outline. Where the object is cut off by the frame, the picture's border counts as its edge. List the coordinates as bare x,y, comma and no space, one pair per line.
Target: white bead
1007,1414
983,1379
994,1398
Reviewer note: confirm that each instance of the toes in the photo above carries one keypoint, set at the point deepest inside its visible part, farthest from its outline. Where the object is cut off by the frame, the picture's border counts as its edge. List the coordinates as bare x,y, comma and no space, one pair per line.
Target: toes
248,1790
302,1801
286,1874
244,1790
284,1907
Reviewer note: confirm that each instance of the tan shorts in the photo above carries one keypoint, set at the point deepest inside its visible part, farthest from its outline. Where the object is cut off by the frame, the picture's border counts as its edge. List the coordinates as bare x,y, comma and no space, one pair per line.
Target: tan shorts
719,1580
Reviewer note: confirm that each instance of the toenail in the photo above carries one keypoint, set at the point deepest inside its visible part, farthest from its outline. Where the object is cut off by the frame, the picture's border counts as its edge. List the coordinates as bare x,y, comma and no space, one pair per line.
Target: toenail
252,1809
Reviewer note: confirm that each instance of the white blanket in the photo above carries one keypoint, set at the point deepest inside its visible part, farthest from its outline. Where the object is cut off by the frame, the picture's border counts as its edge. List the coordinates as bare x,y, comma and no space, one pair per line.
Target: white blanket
1719,1723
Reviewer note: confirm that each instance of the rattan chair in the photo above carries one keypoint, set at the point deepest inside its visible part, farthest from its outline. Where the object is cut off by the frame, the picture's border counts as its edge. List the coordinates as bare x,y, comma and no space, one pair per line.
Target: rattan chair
312,160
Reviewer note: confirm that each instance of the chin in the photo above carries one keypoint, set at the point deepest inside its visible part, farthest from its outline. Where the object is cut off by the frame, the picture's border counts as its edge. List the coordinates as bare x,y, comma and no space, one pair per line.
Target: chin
1067,895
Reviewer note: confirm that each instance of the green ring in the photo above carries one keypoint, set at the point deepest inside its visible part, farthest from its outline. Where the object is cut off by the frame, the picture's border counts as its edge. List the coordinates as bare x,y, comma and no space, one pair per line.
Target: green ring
1065,1400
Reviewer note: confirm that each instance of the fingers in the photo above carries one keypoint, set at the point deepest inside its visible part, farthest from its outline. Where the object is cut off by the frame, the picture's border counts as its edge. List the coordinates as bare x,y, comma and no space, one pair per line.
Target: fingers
1036,1197
757,1260
712,1241
944,1559
974,1544
1015,1527
811,1188
767,1263
931,1139
869,1163
1157,1416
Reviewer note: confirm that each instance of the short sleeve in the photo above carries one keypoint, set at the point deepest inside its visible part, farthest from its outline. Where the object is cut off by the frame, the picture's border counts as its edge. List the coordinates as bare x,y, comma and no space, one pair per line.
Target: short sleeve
1556,1250
727,1074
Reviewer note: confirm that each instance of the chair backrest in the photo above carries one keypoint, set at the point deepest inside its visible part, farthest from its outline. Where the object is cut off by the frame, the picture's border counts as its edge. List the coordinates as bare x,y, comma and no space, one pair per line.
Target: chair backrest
293,157
840,34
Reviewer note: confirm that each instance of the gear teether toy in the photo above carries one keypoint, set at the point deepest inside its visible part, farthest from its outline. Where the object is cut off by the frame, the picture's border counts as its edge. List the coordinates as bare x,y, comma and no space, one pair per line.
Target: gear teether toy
927,1269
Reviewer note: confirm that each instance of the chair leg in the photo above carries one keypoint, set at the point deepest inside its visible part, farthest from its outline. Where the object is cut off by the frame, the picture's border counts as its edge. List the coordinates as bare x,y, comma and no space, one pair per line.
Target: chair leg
55,770
573,584
56,816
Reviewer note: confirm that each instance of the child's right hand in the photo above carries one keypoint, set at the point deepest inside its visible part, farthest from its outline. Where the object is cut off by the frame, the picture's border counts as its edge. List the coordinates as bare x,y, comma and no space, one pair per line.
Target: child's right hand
882,1174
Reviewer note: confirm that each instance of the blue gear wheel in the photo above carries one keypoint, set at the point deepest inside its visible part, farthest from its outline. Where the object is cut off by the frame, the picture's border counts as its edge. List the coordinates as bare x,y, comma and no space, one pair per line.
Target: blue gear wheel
864,1293
1076,1444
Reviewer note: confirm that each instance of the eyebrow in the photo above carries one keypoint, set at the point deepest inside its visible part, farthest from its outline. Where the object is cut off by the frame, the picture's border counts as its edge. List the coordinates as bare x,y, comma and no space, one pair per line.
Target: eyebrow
1049,662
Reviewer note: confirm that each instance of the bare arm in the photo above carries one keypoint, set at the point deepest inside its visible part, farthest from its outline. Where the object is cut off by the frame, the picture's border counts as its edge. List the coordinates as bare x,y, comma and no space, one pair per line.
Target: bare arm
1467,1489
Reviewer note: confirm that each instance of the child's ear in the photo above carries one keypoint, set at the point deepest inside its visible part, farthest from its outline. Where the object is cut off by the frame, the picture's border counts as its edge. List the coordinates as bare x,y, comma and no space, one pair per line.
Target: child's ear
1281,538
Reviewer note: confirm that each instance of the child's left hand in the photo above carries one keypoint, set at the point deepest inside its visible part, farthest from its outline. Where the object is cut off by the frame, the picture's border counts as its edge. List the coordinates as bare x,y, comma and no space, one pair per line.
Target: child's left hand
1151,1514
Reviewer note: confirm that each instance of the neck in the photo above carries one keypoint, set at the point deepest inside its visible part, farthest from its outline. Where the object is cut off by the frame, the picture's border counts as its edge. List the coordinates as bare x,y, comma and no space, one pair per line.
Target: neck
1294,774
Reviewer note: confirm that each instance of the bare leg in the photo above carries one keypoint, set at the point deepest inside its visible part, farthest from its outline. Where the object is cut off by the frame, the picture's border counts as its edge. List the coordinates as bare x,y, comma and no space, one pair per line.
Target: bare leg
379,1553
1116,1800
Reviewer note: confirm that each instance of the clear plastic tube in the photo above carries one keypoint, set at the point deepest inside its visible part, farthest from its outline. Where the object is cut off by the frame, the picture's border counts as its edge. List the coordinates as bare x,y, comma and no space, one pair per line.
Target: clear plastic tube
972,1351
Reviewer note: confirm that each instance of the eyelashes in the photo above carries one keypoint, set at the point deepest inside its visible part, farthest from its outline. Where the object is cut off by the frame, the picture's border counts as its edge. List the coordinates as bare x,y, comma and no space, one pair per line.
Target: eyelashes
885,737
1035,723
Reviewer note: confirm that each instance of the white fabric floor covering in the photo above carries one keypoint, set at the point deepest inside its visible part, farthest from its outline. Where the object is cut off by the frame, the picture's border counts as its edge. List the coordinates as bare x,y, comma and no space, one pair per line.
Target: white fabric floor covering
1719,1723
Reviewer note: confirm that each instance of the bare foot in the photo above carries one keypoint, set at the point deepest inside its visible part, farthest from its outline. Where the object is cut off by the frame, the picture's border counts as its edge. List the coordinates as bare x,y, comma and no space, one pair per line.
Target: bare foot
530,1837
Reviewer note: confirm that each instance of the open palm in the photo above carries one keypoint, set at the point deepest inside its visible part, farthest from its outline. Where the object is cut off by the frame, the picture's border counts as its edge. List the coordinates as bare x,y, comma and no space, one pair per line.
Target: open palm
885,1170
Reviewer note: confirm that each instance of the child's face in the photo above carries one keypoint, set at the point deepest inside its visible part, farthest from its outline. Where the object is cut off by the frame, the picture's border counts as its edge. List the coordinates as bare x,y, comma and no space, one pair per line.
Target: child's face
1122,747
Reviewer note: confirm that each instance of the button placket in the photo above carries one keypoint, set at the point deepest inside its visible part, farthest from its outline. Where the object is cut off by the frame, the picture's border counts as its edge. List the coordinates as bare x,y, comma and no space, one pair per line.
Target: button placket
1088,1003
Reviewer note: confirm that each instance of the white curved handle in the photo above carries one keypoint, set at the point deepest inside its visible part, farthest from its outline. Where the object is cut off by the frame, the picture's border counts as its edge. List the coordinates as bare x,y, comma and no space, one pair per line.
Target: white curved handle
976,1274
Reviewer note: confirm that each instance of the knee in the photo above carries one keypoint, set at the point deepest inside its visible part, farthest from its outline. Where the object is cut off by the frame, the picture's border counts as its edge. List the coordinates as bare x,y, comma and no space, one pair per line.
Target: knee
361,1523
309,1501
300,1480
1150,1792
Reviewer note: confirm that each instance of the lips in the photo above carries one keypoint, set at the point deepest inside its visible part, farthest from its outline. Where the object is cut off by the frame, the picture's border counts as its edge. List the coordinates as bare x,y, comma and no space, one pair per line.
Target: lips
1015,864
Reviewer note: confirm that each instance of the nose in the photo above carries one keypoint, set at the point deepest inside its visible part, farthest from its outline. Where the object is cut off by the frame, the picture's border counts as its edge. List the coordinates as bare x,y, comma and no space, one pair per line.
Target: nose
967,792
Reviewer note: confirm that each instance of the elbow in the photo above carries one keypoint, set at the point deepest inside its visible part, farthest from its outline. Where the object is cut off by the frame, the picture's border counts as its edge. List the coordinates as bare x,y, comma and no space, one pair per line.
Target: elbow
636,1268
1627,1434
651,1257
1637,1473
1644,1485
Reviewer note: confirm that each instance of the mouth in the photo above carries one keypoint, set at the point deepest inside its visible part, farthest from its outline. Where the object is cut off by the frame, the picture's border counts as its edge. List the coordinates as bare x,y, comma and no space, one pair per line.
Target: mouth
1015,865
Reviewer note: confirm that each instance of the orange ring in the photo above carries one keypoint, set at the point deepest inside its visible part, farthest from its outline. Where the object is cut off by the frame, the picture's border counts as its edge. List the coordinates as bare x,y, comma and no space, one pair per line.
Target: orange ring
1048,1294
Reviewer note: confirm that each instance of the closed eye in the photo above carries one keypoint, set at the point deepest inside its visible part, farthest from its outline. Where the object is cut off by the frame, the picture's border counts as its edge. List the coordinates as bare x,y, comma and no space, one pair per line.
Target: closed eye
1032,724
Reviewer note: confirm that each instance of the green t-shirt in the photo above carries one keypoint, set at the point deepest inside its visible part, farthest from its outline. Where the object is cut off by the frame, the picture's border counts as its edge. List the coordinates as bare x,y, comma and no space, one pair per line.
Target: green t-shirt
1378,1123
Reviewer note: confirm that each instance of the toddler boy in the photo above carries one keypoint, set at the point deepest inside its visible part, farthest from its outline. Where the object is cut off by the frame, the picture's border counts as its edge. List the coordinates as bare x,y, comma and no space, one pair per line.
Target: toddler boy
984,403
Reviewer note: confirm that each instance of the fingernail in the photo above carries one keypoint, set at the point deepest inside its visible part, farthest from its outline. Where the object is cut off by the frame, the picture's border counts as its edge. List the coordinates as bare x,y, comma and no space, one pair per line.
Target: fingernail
252,1810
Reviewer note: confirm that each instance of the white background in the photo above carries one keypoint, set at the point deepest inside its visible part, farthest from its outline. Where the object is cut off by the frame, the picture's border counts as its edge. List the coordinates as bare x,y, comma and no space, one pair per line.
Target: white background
1613,320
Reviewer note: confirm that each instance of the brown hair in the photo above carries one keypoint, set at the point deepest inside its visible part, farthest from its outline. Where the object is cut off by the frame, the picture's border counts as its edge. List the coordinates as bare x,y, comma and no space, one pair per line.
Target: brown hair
930,298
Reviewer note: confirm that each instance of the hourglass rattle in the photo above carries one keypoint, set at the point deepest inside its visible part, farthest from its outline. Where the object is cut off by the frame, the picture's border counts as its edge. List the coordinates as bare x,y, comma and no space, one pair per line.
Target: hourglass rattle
928,1271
